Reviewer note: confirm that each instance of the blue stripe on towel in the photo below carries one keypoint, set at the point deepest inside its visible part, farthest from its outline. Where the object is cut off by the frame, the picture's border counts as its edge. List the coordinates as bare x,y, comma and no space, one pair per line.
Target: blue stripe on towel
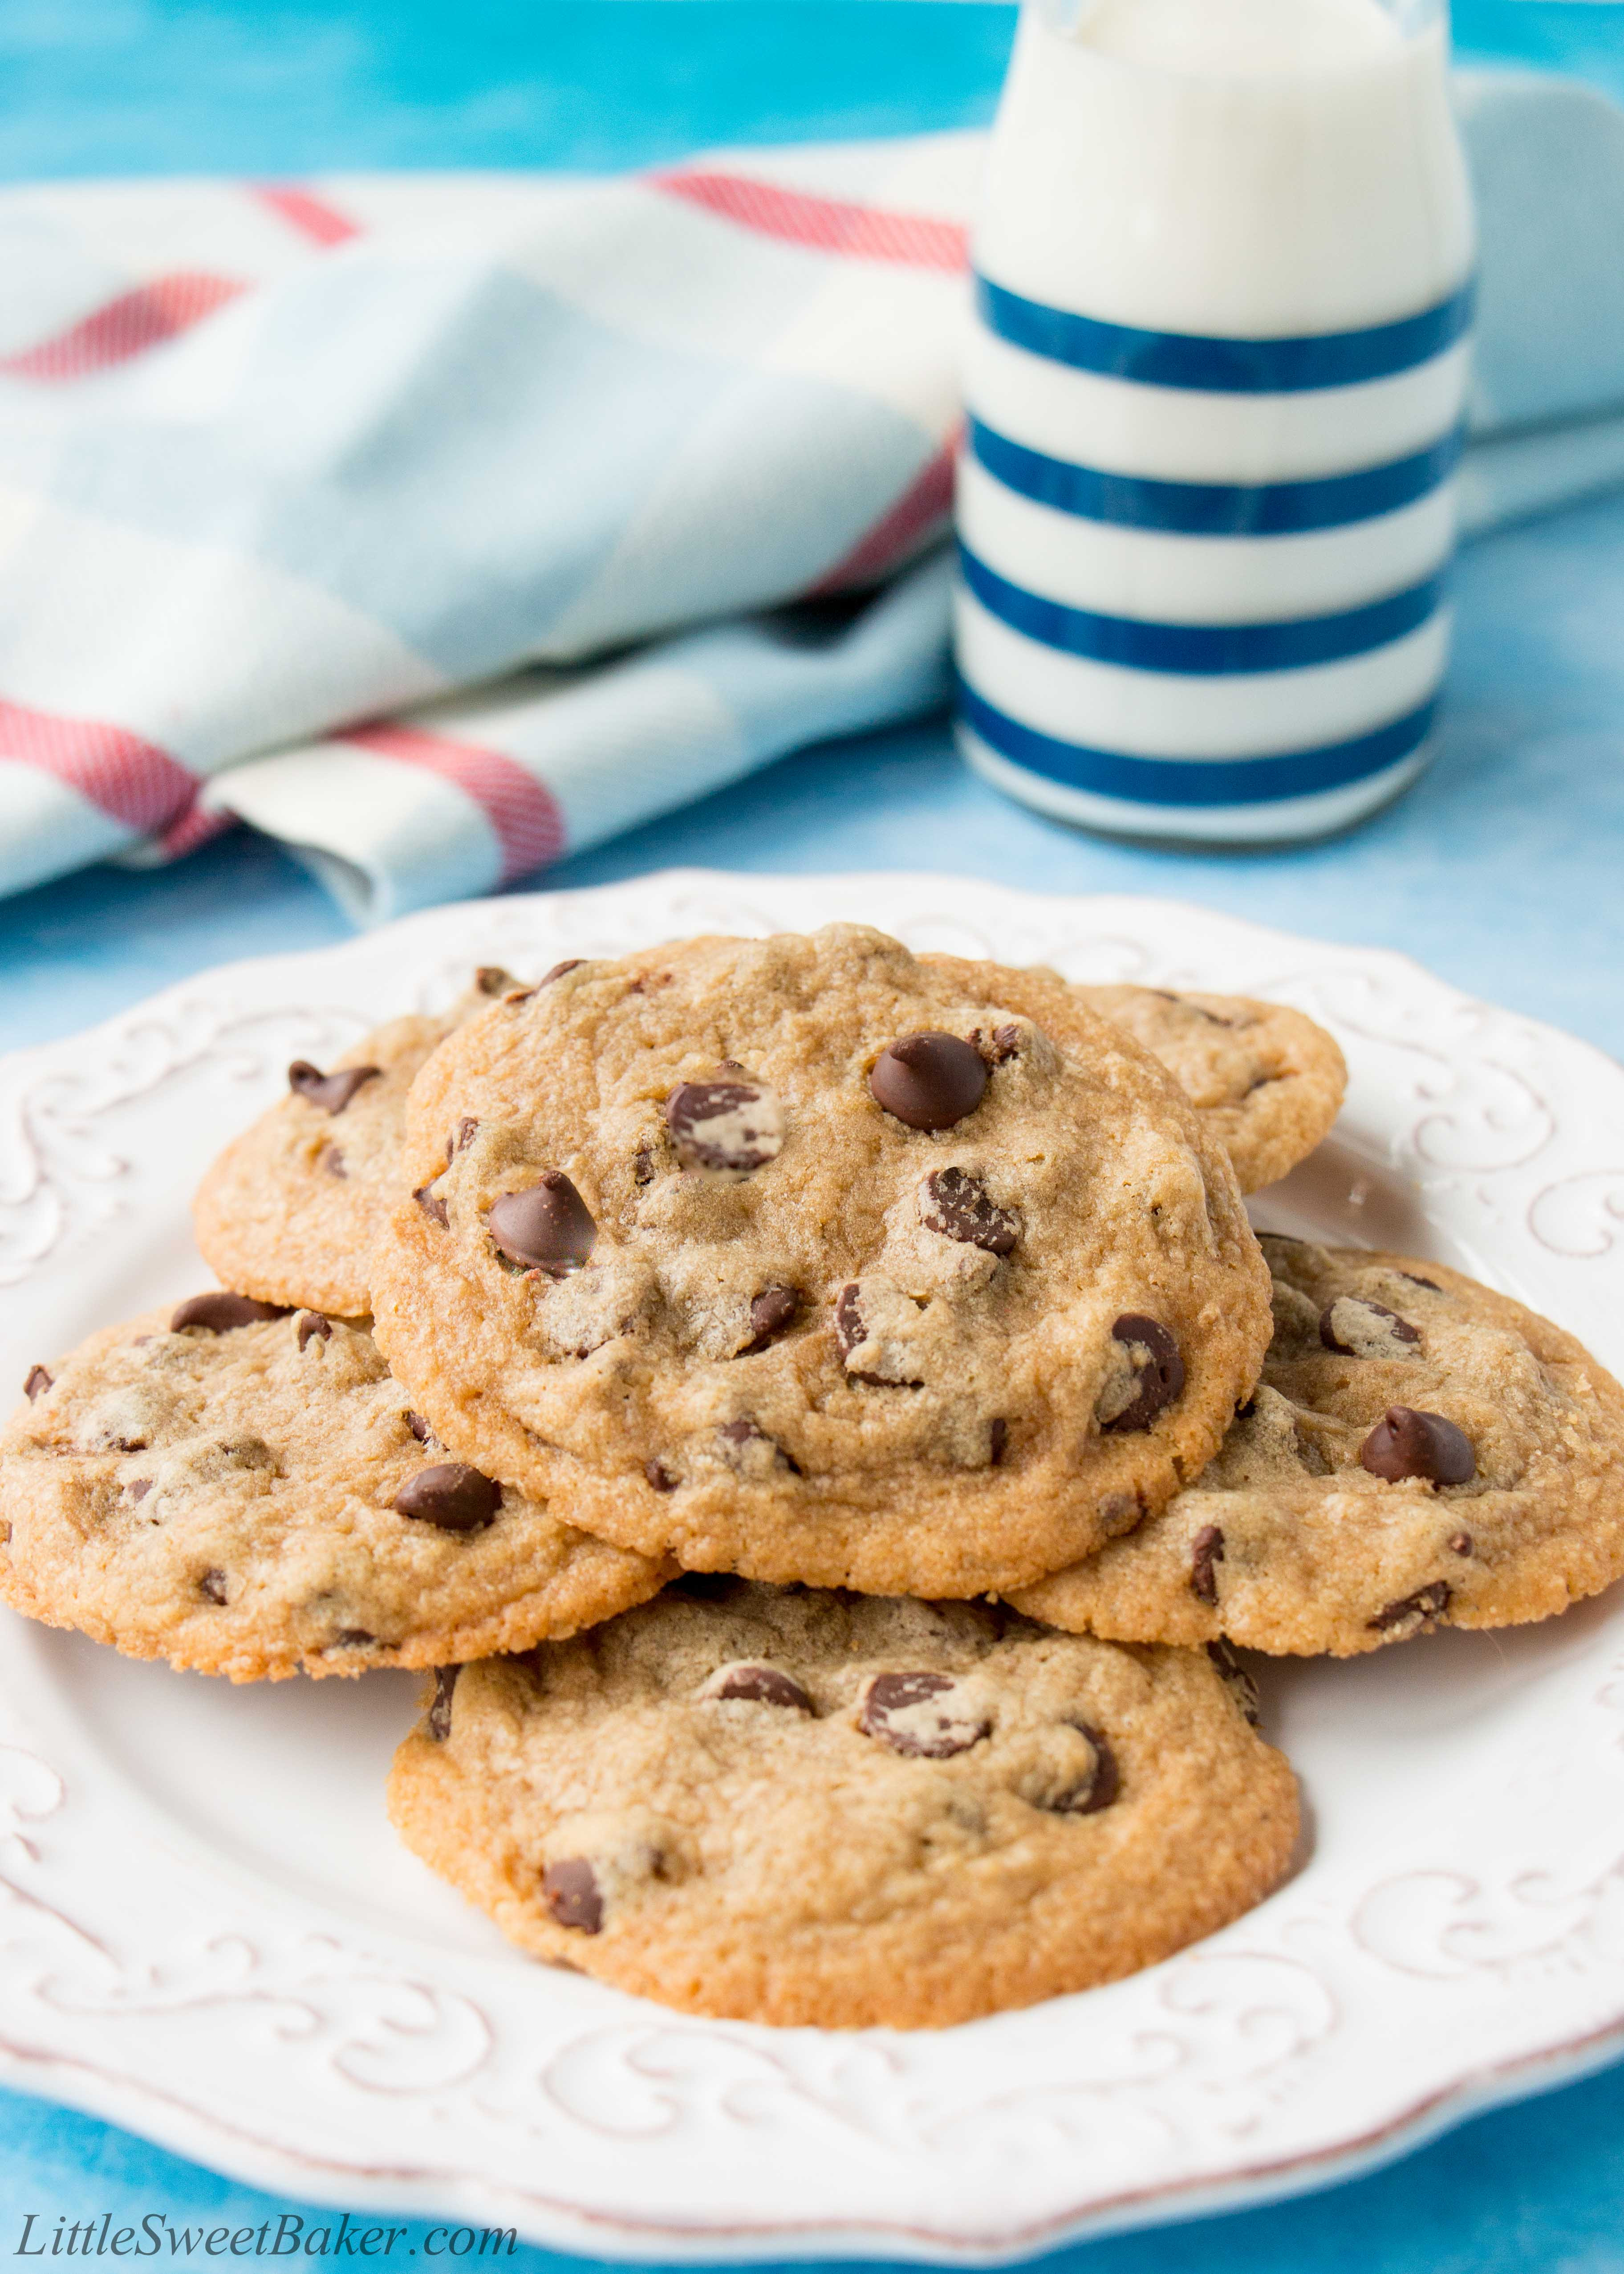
1213,509
1224,366
1195,782
1295,645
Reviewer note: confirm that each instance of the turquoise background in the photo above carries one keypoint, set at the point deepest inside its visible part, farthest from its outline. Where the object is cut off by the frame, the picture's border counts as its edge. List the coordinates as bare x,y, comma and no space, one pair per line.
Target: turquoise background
1502,869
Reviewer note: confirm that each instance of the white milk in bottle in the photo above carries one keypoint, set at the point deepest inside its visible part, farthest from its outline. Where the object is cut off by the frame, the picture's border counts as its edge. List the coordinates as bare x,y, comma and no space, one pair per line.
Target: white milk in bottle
1215,388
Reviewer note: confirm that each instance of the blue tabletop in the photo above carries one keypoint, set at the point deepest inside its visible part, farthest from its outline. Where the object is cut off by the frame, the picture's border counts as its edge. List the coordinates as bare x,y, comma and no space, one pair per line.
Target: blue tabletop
1501,869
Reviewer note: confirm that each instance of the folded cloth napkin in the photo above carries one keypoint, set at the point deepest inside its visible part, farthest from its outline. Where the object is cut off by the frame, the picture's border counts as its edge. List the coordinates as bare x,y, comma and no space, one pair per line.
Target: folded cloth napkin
384,512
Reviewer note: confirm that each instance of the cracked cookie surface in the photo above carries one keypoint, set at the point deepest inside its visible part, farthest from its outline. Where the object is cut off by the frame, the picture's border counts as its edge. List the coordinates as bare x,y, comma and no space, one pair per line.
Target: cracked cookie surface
259,1499
805,1258
808,1808
1421,1452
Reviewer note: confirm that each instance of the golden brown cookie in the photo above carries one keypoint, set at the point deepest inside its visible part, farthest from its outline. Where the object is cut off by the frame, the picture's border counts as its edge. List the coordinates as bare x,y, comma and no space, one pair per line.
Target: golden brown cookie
805,1258
289,1210
1420,1452
803,1808
252,1494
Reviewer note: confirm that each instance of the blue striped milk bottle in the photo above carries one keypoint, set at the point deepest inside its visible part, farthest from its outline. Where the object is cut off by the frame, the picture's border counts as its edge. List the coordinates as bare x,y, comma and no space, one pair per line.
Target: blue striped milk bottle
1214,385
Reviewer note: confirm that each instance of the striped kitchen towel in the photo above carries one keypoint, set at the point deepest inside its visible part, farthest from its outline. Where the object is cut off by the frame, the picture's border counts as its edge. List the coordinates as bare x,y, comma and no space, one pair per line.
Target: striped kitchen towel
438,525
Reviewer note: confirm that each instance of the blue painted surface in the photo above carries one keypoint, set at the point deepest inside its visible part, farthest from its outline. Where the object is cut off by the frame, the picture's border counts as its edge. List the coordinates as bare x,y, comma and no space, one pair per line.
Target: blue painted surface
1501,870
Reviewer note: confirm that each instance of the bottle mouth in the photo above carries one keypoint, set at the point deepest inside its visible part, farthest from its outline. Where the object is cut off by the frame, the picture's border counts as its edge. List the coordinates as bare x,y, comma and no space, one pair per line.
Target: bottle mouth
1182,52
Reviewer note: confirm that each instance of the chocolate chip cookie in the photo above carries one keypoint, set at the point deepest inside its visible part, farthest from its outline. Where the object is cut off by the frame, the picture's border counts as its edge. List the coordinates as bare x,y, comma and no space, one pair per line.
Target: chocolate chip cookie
246,1492
1264,1078
807,1258
289,1210
1420,1452
810,1807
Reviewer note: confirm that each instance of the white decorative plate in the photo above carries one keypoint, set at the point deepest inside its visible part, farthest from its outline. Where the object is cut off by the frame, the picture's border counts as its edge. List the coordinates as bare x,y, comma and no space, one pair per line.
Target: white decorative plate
208,1933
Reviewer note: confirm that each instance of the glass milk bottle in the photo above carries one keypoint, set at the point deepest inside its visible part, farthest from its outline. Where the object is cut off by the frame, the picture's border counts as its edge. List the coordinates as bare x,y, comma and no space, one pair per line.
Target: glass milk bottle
1214,387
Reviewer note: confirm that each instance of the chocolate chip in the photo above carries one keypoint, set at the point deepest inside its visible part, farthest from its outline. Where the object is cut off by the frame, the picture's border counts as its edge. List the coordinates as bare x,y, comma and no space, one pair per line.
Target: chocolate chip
737,1126
332,1092
312,1324
463,1136
419,1428
547,1227
707,1586
570,1892
439,1705
756,1685
897,1709
1416,1280
491,979
331,1160
773,1310
219,1312
849,1329
1406,1444
140,1486
997,1442
1225,1658
38,1382
1160,1378
643,1166
433,1205
1099,1789
353,1639
929,1080
1355,1327
570,963
1206,1550
660,1476
212,1584
1460,1543
957,1205
1120,1512
452,1497
745,1433
1426,1604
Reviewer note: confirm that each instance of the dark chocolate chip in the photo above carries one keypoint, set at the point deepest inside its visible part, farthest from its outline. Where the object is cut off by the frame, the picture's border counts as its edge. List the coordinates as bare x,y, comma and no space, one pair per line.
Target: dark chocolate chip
643,1166
756,1685
1406,1444
419,1428
312,1324
571,1894
332,1092
1205,1551
849,1328
660,1476
707,1586
773,1310
491,979
957,1205
1099,1789
570,963
734,1125
1384,1323
1161,1379
929,1080
1004,1046
747,1433
1226,1658
439,1705
938,1732
1416,1280
467,1130
140,1486
212,1584
547,1227
1426,1604
38,1382
219,1312
331,1160
433,1205
353,1639
452,1497
997,1442
1460,1543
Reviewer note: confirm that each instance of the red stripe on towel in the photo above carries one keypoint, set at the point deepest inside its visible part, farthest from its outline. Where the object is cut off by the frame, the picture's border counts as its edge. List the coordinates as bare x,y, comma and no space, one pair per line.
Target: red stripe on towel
824,224
133,781
310,216
924,505
126,326
525,816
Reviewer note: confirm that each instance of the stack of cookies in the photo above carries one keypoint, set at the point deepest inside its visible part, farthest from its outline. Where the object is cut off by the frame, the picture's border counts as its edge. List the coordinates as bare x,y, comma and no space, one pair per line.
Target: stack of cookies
824,1417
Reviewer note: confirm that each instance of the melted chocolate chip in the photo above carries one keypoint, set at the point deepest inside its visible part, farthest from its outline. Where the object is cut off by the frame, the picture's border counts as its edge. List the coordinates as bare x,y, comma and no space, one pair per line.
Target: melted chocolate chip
849,1329
353,1639
570,1892
898,1710
660,1476
643,1166
1405,1443
1460,1543
212,1584
1098,1790
1160,1378
313,1323
439,1705
462,1136
1416,1280
957,1205
1426,1604
140,1486
771,1312
1004,1045
997,1442
38,1382
745,1433
219,1312
570,963
756,1685
1205,1551
491,979
547,1227
929,1080
419,1428
452,1497
1371,1325
331,1160
736,1124
433,1205
1225,1658
332,1092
